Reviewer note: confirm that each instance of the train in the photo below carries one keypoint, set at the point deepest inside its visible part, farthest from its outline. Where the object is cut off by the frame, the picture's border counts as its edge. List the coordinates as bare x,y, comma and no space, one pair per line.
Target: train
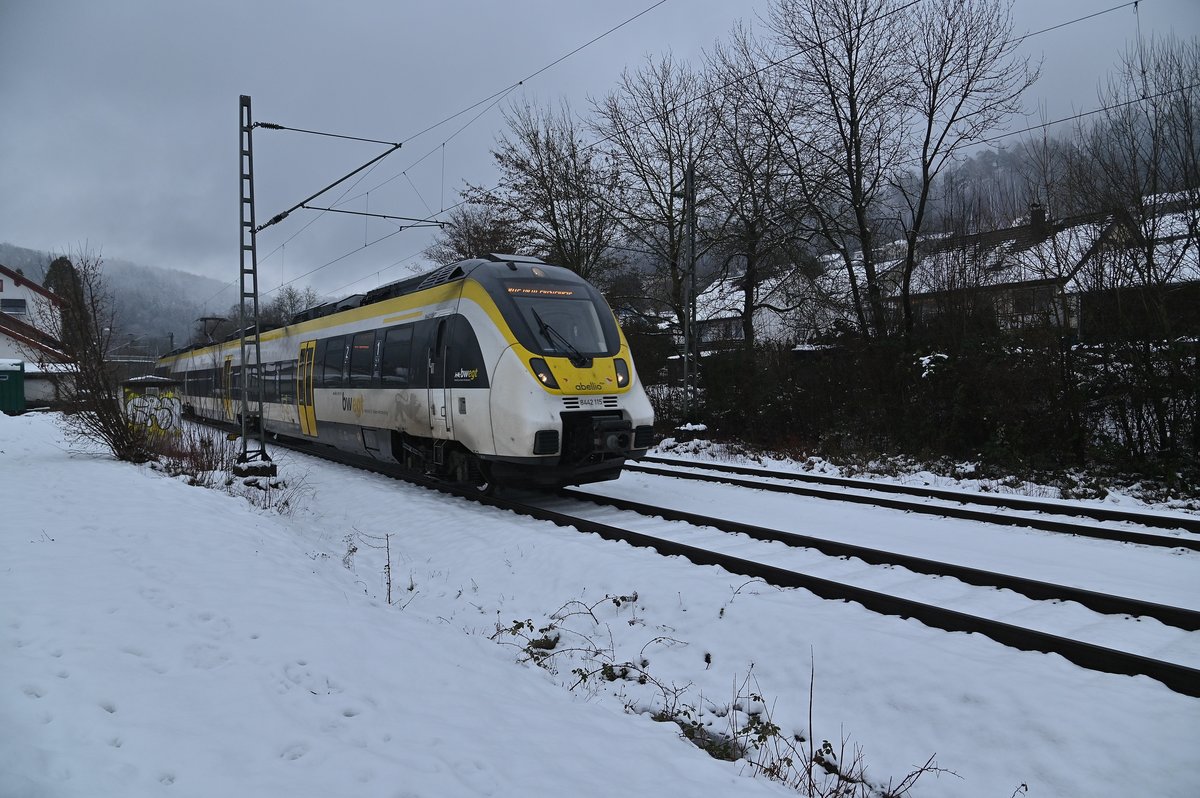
496,371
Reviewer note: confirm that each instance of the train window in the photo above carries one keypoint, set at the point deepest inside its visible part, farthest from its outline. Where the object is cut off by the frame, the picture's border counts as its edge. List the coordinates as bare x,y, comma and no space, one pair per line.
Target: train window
422,352
396,361
465,360
287,381
269,382
252,383
362,359
332,362
564,325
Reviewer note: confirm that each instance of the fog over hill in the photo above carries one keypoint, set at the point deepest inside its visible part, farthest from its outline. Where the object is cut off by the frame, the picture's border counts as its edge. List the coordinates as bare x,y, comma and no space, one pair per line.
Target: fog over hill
151,303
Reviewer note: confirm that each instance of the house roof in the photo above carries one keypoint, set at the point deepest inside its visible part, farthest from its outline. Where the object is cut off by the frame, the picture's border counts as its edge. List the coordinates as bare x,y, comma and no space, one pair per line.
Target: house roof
20,280
29,336
1054,251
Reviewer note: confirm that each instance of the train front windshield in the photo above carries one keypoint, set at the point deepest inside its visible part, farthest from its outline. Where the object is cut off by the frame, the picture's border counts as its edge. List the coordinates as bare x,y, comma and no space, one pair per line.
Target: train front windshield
563,321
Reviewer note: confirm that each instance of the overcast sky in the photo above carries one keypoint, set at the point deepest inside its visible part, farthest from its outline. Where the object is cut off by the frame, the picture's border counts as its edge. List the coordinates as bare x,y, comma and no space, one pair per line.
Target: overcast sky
120,117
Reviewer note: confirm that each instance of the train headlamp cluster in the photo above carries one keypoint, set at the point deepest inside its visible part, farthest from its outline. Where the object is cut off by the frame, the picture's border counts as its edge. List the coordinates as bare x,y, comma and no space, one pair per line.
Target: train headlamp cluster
622,372
544,375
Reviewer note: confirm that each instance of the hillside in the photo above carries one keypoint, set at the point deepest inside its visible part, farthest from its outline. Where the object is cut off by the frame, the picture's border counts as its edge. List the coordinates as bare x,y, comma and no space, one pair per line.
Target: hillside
151,302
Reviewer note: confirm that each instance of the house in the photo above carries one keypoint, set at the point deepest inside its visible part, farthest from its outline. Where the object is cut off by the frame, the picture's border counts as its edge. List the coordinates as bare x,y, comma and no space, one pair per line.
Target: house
23,303
719,311
1088,277
793,307
1066,274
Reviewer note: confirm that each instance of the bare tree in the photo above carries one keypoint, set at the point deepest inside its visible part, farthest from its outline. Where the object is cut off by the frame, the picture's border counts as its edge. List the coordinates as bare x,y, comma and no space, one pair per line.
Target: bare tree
473,230
86,383
1141,162
563,192
752,219
654,126
965,78
843,129
286,303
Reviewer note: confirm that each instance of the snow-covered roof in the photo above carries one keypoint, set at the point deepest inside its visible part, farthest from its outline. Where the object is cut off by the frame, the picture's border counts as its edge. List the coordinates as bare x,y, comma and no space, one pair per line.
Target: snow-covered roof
1056,251
21,281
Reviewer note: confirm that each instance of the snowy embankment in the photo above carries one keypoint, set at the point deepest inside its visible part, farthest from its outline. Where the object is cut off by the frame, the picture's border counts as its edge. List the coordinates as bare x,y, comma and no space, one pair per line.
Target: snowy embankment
161,639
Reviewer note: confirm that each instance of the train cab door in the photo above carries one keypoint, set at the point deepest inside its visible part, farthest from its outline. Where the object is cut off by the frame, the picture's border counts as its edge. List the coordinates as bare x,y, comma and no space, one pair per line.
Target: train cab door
440,417
227,387
304,388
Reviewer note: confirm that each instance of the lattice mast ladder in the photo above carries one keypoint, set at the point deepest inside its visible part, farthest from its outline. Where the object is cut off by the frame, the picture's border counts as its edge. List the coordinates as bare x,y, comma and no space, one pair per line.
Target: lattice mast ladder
253,458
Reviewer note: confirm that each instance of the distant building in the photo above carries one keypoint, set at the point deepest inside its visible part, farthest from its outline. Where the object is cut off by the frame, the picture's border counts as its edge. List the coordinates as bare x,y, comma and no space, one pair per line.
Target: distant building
22,303
1092,277
1079,275
719,312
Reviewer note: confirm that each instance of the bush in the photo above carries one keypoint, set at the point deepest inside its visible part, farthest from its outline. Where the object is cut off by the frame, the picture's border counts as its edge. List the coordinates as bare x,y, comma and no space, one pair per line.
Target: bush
1031,403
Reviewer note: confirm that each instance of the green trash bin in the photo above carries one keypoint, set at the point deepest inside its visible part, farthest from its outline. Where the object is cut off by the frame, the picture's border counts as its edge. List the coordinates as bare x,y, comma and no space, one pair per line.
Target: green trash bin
12,386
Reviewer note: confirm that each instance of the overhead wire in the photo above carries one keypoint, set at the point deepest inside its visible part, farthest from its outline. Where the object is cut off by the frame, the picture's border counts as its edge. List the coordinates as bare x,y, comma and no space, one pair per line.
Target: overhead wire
498,96
1093,112
739,79
772,64
551,65
491,101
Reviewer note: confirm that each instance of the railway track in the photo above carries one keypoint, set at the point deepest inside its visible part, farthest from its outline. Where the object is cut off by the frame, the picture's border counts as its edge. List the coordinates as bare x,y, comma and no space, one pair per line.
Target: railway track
1042,515
1177,677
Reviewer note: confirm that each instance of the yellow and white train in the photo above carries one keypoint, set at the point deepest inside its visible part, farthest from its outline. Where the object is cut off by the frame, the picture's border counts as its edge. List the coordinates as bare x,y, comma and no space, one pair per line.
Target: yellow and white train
484,372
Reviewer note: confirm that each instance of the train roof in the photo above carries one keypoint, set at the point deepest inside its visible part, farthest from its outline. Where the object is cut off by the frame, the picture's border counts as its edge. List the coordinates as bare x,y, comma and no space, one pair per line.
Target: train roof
531,266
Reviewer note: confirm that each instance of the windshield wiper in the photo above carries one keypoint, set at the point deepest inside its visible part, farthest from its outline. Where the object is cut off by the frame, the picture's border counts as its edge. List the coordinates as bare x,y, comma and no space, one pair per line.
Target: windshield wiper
577,358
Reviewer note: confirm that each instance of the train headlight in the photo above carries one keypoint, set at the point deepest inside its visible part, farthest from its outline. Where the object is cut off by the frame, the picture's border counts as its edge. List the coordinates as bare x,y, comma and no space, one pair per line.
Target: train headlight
622,372
544,375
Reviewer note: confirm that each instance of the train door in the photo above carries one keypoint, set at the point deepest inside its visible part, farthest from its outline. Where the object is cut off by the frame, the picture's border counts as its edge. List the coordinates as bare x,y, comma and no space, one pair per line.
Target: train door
304,388
227,387
440,417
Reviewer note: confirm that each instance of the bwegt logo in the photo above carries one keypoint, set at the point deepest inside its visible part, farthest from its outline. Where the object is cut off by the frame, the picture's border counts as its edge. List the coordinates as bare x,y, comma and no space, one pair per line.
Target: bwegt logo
353,404
466,375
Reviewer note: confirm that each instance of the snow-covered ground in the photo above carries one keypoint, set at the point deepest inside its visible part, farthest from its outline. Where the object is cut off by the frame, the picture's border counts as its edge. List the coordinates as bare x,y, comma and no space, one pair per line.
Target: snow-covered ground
162,639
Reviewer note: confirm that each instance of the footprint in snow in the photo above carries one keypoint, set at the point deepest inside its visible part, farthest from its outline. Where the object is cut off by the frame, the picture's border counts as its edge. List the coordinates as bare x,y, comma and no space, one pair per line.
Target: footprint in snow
297,674
294,752
33,691
157,598
213,626
205,656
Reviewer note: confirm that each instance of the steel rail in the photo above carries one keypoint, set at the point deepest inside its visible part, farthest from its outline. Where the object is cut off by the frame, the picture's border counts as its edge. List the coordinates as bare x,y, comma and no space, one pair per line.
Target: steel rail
1178,617
988,499
964,513
1179,678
